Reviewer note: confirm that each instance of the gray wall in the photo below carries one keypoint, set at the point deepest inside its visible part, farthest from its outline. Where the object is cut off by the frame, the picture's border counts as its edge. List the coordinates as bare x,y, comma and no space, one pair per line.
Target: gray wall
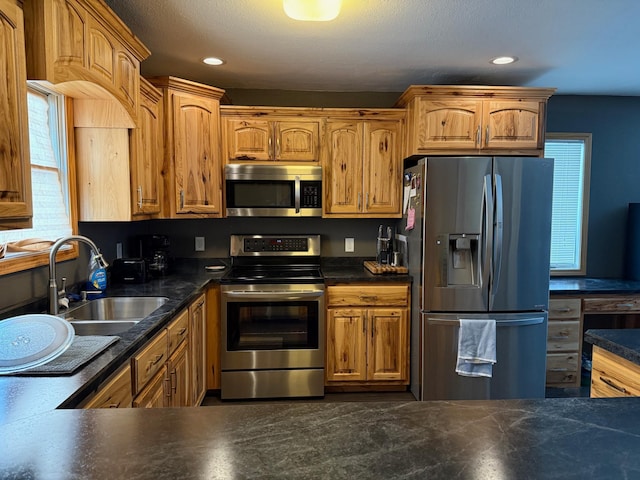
615,174
615,170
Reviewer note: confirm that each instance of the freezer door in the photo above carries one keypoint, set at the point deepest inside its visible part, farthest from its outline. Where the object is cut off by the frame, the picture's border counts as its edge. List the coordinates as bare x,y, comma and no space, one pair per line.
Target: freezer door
520,369
522,238
458,234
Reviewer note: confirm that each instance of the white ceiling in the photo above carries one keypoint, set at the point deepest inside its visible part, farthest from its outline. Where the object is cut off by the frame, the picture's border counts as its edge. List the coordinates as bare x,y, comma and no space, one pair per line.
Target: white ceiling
585,47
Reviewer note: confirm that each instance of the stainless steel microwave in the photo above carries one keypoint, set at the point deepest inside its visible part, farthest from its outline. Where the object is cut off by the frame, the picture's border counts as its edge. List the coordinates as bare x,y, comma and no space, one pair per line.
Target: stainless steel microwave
273,190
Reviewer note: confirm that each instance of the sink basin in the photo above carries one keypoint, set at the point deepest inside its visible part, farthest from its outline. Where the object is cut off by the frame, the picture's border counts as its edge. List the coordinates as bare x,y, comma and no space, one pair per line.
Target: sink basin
111,315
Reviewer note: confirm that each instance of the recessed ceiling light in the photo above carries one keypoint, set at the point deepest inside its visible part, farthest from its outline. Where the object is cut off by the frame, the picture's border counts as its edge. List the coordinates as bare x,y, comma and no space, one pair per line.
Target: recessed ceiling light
503,60
213,61
312,10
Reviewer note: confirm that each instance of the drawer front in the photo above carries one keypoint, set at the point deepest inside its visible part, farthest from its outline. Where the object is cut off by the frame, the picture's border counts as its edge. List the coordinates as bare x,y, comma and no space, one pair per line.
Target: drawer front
562,308
149,361
562,368
613,376
612,304
177,331
116,393
360,295
563,336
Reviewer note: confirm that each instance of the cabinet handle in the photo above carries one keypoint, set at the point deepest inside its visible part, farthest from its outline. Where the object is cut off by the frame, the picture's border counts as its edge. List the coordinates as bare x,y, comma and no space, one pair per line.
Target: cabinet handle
157,359
244,157
613,385
625,305
369,298
140,197
181,332
359,198
561,310
167,390
277,147
181,199
559,337
114,405
270,149
366,205
486,136
558,369
478,138
174,383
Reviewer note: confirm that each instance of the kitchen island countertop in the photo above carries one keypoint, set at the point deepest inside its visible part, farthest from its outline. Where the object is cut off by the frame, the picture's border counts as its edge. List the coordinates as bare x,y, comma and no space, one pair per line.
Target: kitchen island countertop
593,286
624,342
570,438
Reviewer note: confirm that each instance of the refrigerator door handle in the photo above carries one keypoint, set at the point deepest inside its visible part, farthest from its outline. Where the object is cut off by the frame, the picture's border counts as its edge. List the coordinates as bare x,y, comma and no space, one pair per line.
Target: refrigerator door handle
498,236
487,238
499,323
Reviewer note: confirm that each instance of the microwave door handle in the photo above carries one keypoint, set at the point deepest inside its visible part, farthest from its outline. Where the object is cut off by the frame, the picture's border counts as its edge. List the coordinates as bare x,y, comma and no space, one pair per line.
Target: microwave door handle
296,194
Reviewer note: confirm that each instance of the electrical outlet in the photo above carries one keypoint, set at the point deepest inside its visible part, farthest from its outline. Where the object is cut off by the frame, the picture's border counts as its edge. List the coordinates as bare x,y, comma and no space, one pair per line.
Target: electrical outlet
119,250
349,245
199,244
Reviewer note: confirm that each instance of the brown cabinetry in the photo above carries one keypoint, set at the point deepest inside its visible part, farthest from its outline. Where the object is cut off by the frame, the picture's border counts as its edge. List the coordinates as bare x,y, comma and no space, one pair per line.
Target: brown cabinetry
367,335
255,134
362,168
613,376
470,119
83,49
564,342
192,169
212,333
198,349
15,166
115,393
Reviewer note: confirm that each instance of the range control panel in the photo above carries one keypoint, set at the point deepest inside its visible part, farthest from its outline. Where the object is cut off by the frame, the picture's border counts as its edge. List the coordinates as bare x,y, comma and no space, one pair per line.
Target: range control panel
275,245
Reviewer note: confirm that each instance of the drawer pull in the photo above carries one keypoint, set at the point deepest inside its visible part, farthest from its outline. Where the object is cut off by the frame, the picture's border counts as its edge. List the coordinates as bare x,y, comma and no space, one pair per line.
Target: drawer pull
613,385
558,369
114,405
181,332
369,298
559,337
625,305
562,310
157,359
174,382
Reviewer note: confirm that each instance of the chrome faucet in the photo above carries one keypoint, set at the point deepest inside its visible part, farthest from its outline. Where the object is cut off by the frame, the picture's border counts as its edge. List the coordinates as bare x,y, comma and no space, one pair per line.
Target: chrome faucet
53,287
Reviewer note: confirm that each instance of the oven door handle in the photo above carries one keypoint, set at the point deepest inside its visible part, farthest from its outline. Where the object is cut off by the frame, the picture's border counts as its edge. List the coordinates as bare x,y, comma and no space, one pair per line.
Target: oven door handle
295,295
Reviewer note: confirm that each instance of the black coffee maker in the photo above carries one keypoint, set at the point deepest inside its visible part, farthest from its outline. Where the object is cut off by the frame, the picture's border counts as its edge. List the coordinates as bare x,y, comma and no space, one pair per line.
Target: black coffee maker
154,249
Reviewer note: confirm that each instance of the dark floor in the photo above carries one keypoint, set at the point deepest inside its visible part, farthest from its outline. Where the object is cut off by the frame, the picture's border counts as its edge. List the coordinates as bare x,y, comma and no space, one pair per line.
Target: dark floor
213,399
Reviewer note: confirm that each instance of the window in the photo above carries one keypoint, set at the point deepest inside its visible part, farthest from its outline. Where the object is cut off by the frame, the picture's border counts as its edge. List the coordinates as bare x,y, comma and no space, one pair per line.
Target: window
49,177
572,154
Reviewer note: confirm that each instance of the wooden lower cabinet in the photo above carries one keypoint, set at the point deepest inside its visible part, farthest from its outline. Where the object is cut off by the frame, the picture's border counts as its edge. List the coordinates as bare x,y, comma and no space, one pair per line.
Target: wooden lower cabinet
153,395
198,352
213,338
564,342
613,376
115,393
178,393
367,341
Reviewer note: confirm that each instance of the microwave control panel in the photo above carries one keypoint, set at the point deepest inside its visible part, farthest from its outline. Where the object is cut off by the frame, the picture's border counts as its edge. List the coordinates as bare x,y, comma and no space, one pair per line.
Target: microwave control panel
311,194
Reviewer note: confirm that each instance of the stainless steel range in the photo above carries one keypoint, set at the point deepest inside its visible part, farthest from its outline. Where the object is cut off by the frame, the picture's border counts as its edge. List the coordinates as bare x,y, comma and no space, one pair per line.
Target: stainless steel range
272,302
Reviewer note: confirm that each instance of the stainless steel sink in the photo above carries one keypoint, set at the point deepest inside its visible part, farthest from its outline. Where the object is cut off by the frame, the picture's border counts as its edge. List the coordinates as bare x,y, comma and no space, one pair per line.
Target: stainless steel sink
111,315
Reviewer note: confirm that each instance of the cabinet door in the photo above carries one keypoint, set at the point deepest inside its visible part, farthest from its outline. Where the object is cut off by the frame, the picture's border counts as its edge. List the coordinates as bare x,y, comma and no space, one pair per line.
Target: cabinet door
68,45
387,353
512,124
197,165
178,371
346,346
451,124
382,169
15,166
297,141
100,51
127,78
248,139
343,168
155,393
613,376
197,347
212,333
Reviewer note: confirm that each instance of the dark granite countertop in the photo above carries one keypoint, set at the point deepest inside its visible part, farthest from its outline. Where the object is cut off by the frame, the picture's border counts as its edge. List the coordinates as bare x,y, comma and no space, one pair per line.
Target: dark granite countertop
591,285
570,438
351,269
23,396
624,342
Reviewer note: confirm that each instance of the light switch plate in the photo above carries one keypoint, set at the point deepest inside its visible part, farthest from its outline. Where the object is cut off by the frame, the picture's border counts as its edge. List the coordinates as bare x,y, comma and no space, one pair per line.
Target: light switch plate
199,244
349,245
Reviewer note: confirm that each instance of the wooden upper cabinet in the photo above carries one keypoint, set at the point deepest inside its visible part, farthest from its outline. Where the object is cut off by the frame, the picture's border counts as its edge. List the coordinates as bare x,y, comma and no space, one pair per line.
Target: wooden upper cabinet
15,165
192,168
362,168
475,119
147,149
259,134
82,49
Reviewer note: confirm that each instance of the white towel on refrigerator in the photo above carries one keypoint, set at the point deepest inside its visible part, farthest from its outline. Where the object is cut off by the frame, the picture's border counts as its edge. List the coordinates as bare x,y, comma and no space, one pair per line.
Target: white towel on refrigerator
476,348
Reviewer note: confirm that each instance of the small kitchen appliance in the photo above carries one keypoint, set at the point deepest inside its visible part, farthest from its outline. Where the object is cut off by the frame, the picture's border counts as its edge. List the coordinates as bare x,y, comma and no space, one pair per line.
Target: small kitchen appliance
272,304
155,250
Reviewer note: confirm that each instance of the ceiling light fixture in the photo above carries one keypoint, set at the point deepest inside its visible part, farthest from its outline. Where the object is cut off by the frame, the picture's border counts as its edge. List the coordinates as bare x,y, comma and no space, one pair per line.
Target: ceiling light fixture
312,10
503,60
213,61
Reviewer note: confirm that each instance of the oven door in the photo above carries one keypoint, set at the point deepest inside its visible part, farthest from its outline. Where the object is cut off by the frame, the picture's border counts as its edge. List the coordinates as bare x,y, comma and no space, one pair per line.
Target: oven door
266,327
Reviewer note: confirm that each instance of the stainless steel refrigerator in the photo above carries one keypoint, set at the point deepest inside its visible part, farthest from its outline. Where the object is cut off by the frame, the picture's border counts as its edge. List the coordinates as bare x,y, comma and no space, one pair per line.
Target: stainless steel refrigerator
478,233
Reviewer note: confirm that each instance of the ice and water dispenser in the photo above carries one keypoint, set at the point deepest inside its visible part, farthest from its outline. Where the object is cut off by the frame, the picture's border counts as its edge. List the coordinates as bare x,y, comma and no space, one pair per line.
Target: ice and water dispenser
459,259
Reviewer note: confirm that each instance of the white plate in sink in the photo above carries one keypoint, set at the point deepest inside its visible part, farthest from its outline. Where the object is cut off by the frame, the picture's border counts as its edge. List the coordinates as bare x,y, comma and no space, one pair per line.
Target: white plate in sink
30,340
